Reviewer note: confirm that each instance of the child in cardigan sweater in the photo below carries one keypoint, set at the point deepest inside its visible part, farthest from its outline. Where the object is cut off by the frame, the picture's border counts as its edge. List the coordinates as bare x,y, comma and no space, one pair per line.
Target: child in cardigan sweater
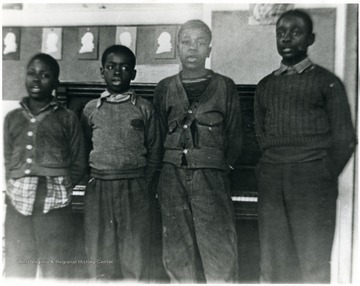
304,128
44,159
121,131
199,113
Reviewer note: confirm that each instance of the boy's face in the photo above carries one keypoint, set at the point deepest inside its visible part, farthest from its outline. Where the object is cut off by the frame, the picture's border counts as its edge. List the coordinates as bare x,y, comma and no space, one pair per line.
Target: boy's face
40,80
118,72
293,39
193,49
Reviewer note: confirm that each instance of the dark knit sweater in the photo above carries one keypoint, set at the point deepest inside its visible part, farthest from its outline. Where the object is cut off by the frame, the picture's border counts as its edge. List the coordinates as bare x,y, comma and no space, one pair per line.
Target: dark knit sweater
304,116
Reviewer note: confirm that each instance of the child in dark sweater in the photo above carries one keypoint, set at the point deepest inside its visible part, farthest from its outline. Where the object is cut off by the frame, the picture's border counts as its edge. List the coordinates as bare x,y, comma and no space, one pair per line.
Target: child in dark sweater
121,132
304,128
200,124
44,159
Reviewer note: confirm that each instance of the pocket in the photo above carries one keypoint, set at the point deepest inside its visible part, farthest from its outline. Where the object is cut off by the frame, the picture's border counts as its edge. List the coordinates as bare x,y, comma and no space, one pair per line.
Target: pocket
210,129
15,160
172,126
53,157
172,137
211,119
137,124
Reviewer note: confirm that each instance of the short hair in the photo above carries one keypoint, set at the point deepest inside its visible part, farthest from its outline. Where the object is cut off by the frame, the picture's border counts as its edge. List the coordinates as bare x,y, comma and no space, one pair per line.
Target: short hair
299,13
196,24
120,49
49,60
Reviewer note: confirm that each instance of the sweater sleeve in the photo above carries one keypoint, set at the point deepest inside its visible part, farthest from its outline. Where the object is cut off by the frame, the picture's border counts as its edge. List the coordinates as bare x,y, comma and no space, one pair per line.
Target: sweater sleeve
258,115
341,126
152,143
87,129
8,147
76,149
233,127
161,114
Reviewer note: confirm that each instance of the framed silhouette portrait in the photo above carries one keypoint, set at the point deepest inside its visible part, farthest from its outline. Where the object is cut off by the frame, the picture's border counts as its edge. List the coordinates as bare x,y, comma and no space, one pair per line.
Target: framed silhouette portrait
52,42
88,43
165,44
266,13
11,43
126,36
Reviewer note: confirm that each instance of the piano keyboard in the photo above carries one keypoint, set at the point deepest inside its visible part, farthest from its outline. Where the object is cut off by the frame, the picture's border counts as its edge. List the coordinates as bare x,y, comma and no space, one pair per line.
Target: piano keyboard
80,191
245,199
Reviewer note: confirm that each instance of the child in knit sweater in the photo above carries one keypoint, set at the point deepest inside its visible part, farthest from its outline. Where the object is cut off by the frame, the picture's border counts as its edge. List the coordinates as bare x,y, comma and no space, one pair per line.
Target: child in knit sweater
121,131
304,128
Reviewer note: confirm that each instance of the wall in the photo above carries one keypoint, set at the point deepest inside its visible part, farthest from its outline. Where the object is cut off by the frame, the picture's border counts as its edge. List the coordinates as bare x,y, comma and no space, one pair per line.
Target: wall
79,70
239,46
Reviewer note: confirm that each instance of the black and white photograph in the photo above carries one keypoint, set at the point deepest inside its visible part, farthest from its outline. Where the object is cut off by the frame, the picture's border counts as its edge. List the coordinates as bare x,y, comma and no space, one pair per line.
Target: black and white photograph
180,142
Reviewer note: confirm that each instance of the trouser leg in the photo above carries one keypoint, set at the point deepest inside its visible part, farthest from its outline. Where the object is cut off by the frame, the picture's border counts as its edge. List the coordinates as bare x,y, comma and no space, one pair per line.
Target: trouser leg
312,214
43,239
117,229
214,222
100,231
297,209
180,251
278,257
132,209
20,245
54,235
54,231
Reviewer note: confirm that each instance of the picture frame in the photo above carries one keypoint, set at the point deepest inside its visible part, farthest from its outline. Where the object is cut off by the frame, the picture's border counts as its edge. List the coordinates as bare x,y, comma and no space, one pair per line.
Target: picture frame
126,36
165,42
52,42
11,43
88,43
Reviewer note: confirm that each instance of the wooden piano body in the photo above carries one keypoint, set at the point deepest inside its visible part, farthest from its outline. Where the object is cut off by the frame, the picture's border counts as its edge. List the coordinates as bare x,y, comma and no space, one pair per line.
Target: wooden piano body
243,183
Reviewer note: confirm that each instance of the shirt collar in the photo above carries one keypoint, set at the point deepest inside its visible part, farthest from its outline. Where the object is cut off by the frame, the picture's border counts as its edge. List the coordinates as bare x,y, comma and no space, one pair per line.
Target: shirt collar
298,68
54,104
130,94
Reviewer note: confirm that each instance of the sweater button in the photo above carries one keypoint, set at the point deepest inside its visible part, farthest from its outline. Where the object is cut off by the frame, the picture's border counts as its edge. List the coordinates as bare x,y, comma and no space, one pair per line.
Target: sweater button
190,111
27,172
32,120
185,126
29,160
29,147
30,133
186,151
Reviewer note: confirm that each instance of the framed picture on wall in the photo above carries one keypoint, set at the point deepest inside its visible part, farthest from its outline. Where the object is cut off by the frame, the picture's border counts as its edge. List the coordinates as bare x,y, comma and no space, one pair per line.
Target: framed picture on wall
52,42
88,43
266,13
165,44
11,43
126,36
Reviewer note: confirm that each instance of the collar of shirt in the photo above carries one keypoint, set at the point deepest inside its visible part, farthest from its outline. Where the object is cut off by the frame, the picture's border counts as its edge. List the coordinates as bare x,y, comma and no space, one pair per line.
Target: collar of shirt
117,97
54,104
298,68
